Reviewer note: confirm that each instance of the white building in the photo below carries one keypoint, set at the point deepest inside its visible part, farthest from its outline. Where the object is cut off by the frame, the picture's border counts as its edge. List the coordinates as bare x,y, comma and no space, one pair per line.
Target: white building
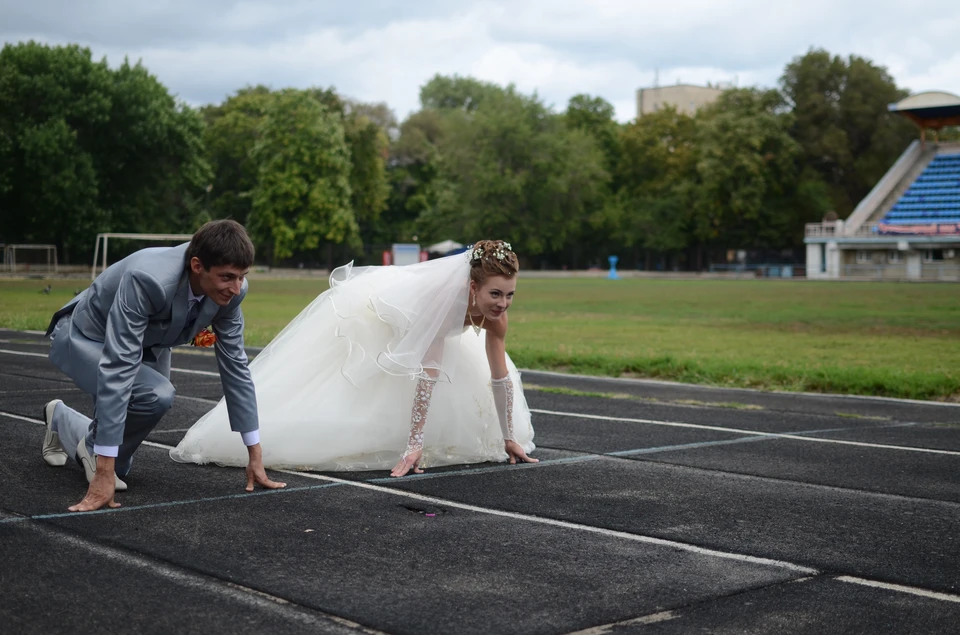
686,98
908,226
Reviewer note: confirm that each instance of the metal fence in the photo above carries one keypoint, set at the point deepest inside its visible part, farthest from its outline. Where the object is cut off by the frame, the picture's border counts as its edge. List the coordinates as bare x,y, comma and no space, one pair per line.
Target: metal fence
762,270
928,271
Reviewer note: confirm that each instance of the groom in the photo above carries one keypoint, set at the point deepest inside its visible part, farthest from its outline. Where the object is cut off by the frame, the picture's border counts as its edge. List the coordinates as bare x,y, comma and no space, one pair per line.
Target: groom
114,341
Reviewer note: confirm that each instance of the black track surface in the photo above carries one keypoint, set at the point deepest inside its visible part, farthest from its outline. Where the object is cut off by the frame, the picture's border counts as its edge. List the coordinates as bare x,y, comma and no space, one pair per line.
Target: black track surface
657,508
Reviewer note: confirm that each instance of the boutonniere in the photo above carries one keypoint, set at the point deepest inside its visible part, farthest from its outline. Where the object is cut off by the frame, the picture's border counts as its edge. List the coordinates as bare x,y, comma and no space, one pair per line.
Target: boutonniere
205,338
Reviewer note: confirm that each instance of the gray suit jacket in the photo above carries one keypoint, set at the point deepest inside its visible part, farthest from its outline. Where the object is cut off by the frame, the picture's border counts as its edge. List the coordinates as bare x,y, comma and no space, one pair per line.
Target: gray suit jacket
140,303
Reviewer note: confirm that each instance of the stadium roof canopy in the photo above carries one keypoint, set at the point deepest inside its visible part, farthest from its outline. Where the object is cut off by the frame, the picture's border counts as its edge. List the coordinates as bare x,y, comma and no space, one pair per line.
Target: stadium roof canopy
931,109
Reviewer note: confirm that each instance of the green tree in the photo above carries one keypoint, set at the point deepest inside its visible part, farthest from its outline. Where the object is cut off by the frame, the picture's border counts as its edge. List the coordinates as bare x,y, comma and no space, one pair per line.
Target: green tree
154,170
595,116
512,169
303,193
656,174
52,104
841,121
377,112
414,174
85,149
457,93
232,131
366,129
369,147
413,169
416,179
747,169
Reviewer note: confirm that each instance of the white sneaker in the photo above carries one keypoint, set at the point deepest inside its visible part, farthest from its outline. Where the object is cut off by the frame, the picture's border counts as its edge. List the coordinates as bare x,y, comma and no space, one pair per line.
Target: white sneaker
52,450
89,463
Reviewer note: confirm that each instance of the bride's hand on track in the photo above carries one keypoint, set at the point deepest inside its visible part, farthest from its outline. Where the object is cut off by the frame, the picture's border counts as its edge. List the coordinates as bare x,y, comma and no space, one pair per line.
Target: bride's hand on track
407,462
516,453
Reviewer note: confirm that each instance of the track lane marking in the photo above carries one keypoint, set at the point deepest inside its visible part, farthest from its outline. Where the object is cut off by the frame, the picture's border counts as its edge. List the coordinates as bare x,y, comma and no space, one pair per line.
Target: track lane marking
678,424
688,547
207,583
691,548
778,435
900,588
588,457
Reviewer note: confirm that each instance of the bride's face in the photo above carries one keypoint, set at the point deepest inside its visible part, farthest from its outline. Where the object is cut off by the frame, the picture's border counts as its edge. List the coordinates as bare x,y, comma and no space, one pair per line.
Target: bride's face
494,296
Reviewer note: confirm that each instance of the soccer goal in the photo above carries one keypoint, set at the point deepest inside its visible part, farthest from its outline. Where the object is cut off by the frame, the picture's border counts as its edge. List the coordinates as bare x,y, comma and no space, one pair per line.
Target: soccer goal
30,258
101,255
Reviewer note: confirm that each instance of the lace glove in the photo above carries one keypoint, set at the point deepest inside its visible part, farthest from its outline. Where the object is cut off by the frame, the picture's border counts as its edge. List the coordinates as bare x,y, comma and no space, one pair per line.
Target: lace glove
418,415
503,399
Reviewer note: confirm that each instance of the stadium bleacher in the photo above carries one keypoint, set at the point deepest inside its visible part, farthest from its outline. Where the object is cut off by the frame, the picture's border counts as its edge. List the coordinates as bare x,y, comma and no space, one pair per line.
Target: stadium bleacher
931,206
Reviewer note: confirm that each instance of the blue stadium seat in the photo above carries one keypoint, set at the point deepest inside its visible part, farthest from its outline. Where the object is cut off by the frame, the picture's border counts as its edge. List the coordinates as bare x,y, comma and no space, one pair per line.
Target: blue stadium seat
933,198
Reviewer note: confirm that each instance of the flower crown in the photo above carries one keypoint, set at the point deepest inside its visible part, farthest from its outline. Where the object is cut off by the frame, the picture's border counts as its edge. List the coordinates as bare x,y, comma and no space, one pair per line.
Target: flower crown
500,252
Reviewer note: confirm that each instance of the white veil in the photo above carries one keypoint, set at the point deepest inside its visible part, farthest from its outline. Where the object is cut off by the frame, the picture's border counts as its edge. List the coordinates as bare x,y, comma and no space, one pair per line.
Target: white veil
395,319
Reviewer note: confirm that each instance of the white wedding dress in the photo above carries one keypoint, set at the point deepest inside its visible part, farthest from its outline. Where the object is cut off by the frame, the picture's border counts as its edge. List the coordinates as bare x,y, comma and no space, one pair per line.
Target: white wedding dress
335,388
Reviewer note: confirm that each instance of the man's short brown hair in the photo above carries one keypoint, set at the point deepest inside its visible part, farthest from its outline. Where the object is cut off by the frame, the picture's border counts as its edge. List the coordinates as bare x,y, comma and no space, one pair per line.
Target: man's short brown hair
220,243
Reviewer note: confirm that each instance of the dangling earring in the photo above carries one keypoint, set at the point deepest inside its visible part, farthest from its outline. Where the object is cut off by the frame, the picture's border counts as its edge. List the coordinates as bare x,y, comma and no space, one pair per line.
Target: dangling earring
476,329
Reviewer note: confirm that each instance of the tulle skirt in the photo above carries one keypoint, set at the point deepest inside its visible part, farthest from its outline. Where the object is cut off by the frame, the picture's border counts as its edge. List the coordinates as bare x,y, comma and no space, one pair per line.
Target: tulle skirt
325,403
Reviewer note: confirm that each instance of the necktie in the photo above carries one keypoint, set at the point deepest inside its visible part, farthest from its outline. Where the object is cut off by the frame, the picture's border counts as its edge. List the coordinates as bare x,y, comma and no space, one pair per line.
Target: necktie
192,313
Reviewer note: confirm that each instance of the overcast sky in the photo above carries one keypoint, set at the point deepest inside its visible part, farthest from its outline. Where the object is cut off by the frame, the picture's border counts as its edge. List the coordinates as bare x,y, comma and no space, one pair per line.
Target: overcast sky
380,50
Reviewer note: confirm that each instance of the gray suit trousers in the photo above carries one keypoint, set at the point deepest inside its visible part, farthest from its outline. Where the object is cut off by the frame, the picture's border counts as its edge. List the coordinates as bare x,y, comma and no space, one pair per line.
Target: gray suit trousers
151,398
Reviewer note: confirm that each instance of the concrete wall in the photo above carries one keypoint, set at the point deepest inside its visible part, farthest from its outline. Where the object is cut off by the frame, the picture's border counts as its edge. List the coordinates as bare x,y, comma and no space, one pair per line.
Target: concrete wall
877,264
833,260
815,261
685,98
880,258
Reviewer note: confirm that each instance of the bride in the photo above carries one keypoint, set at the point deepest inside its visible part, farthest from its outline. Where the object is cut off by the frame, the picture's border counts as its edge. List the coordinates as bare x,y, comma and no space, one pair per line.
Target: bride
404,361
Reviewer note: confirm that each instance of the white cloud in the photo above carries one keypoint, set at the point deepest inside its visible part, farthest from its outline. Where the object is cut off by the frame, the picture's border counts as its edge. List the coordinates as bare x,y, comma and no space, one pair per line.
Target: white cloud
379,50
939,76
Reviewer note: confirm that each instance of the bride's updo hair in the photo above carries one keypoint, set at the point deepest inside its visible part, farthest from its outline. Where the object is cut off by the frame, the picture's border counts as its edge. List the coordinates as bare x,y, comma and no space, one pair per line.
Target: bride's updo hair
492,258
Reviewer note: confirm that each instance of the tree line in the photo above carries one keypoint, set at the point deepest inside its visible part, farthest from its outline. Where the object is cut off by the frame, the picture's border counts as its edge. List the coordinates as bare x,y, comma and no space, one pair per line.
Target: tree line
315,176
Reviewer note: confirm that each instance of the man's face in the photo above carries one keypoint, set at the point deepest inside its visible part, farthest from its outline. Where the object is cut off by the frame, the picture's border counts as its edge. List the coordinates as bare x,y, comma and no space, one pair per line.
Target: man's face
219,283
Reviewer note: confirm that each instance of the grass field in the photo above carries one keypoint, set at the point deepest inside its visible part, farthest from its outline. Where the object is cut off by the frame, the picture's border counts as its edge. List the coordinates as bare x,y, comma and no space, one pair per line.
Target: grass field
900,340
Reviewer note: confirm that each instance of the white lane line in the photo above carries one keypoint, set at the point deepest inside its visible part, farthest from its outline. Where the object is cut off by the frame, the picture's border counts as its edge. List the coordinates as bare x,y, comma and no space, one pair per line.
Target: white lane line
24,353
676,384
882,446
42,423
13,416
795,437
663,616
899,588
677,424
590,529
205,373
526,517
562,523
673,424
606,629
204,583
759,435
211,402
547,412
596,457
